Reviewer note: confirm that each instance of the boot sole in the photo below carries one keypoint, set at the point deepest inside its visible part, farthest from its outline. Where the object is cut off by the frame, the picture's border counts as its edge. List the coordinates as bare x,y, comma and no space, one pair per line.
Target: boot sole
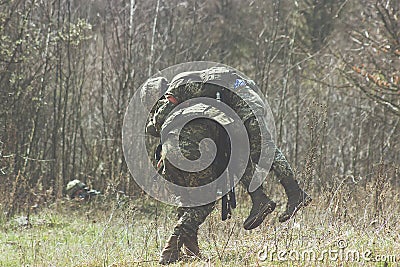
168,261
304,203
255,221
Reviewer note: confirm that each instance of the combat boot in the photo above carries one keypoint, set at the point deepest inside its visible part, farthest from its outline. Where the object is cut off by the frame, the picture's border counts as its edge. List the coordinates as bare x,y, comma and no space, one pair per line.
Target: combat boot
170,253
262,206
297,198
191,245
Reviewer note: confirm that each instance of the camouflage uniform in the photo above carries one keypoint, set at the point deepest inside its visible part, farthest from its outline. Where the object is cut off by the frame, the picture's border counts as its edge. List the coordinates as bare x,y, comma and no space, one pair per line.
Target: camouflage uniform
190,85
190,218
153,88
207,83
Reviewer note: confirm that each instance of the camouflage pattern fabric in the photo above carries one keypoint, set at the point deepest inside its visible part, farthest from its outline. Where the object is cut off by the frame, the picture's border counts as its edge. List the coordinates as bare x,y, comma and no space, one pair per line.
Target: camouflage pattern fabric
207,83
159,112
190,218
236,90
197,84
280,166
189,138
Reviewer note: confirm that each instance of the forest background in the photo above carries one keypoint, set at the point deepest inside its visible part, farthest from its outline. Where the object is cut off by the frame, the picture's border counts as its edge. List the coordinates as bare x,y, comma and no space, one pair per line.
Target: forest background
330,70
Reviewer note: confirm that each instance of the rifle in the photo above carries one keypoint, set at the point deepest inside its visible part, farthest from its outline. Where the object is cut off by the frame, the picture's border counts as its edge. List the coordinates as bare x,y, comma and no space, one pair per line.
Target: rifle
229,199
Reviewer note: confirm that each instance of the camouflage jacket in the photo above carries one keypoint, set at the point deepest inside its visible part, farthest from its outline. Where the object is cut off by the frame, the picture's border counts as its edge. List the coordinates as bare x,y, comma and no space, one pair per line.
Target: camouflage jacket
192,124
236,92
153,115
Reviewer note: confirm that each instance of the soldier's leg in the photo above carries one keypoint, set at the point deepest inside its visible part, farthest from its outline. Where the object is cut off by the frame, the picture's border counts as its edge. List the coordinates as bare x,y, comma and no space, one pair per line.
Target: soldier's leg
257,143
172,248
185,233
262,205
188,227
190,218
297,198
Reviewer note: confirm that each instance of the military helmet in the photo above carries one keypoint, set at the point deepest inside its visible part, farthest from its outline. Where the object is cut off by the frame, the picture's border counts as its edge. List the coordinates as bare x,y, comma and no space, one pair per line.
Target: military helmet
152,90
75,185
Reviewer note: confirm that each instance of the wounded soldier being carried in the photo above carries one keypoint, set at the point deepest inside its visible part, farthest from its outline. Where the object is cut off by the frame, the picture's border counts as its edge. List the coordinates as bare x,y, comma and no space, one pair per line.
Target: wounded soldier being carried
186,139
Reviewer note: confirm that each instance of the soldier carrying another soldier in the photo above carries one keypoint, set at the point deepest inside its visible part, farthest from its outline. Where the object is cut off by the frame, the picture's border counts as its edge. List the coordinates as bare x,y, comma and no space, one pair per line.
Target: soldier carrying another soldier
208,83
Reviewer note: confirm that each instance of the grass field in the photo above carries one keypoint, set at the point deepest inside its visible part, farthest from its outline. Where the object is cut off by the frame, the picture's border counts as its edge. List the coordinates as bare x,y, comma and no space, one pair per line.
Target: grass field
336,229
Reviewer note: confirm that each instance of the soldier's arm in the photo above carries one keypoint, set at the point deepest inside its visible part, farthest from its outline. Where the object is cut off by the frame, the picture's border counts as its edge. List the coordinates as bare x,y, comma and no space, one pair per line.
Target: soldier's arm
163,107
160,115
150,128
181,90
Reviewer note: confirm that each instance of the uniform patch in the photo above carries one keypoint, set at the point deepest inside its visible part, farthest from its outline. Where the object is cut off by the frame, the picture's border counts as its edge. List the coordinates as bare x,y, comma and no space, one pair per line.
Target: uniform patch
238,83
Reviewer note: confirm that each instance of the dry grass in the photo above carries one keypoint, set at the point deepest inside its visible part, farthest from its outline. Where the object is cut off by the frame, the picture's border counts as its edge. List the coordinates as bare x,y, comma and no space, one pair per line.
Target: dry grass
132,233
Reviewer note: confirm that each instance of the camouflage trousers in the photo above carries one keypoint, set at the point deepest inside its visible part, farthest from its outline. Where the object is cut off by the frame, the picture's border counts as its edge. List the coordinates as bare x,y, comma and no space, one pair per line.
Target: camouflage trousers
280,166
190,218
